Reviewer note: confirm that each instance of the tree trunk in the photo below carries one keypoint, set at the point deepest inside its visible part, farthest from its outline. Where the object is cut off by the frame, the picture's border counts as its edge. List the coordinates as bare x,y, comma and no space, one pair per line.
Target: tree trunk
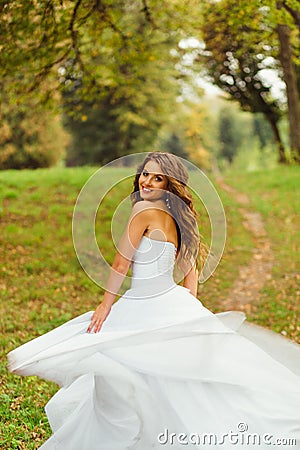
281,152
289,75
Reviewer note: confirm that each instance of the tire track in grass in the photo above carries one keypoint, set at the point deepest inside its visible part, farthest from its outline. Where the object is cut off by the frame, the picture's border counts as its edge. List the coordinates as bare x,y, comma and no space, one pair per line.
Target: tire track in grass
251,280
254,275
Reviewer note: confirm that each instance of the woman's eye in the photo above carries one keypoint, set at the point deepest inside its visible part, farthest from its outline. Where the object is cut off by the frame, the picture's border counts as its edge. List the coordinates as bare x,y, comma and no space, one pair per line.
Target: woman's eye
145,174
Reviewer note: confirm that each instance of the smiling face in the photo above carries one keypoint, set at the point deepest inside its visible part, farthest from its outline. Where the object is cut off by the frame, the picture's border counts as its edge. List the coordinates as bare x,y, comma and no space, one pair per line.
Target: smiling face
152,182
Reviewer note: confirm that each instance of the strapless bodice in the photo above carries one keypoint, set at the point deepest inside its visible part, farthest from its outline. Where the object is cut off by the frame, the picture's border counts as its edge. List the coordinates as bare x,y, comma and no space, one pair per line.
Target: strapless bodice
153,266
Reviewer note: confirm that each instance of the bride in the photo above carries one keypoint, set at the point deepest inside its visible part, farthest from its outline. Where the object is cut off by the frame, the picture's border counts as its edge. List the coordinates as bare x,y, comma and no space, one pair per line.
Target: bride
157,369
152,217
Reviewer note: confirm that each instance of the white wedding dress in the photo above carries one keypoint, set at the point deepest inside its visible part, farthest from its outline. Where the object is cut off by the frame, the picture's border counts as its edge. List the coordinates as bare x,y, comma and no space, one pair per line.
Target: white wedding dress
164,371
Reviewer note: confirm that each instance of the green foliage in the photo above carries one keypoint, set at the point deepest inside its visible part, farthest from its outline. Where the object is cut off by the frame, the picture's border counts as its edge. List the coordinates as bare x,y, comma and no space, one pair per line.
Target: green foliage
252,157
121,67
262,129
30,136
229,139
239,46
187,132
173,144
241,42
112,60
245,140
118,121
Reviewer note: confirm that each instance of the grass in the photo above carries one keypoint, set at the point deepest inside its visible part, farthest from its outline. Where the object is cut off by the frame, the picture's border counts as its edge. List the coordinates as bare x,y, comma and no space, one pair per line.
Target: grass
43,285
276,195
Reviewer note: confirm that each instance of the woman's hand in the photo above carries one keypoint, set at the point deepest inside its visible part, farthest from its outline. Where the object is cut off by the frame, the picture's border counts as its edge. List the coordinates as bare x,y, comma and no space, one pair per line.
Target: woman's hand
99,317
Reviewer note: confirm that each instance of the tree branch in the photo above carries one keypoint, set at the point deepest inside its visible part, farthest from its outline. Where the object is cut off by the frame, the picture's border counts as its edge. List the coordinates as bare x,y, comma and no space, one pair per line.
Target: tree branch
146,11
74,35
45,71
102,11
293,12
49,10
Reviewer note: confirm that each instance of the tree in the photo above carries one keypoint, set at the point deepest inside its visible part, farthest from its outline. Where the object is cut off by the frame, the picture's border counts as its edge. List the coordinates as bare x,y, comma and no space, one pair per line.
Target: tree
192,119
227,136
30,137
235,56
191,133
290,78
262,130
116,54
173,144
241,42
107,129
125,116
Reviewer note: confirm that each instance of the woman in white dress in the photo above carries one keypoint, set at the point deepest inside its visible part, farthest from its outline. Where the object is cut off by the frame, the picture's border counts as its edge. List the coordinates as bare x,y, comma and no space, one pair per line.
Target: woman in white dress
157,369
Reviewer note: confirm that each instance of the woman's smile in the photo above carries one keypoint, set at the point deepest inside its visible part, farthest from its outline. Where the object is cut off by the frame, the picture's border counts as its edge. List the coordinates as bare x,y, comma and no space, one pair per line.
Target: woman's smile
152,182
144,189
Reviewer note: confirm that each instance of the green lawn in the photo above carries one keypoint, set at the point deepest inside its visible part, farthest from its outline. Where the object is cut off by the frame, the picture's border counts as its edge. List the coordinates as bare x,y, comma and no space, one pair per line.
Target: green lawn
42,283
276,195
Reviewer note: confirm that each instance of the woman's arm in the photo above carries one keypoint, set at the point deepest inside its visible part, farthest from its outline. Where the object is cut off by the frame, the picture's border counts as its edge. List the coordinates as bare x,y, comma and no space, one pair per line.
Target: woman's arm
138,222
190,281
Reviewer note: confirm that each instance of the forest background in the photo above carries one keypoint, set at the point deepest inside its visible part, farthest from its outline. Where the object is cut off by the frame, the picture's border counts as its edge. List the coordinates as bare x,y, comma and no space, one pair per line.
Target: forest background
84,82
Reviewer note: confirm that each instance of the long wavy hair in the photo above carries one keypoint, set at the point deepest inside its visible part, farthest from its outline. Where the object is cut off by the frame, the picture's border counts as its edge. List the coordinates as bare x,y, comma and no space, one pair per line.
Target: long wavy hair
191,250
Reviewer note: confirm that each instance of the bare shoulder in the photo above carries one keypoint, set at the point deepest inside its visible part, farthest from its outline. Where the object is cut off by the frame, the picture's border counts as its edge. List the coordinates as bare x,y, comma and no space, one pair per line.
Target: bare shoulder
142,206
144,212
141,214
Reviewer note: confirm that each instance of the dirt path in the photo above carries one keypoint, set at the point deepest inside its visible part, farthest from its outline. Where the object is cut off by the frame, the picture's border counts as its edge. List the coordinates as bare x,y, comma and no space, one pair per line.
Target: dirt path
253,276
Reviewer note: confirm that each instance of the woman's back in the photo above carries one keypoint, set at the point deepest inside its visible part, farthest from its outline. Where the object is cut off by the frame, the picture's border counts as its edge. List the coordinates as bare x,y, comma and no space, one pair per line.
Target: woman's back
163,225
